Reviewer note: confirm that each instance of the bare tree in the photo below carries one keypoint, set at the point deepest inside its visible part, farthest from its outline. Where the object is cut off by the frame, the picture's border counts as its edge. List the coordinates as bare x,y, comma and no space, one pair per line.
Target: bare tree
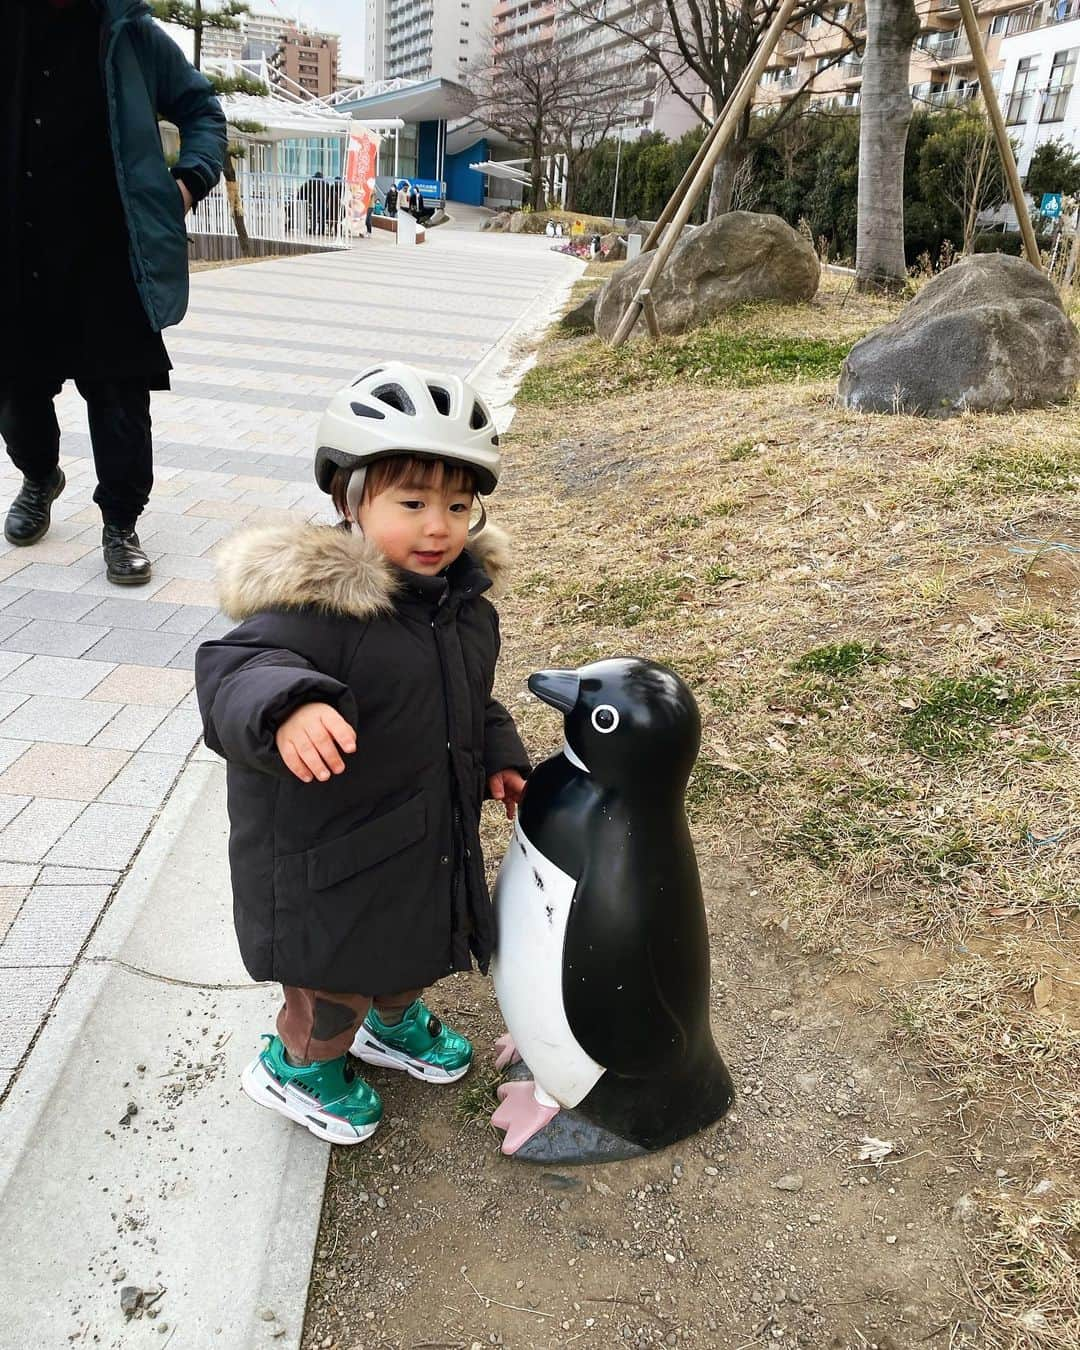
959,161
884,115
546,96
699,50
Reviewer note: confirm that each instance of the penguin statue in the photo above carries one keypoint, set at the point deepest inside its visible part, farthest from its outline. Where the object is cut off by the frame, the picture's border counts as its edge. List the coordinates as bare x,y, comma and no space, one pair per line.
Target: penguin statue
602,958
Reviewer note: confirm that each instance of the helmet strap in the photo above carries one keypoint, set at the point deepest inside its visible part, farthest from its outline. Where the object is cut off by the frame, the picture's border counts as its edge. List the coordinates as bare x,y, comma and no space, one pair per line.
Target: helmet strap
474,530
354,495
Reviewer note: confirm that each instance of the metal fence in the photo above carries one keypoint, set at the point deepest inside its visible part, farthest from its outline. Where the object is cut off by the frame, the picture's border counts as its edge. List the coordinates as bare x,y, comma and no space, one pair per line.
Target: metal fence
280,207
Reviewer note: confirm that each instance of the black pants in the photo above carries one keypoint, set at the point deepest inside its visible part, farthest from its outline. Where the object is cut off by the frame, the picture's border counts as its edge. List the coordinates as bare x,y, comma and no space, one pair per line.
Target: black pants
119,412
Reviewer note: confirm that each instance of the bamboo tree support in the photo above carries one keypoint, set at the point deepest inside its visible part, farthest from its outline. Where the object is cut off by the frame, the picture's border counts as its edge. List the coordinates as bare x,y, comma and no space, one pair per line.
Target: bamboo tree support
721,135
1001,135
676,197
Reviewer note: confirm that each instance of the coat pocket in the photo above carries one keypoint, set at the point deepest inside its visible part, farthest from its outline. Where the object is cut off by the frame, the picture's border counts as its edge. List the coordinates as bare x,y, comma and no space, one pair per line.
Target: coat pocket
367,845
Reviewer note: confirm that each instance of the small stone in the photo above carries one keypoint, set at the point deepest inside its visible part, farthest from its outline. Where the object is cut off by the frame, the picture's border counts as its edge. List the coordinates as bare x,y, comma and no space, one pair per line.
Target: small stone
669,1258
712,1171
119,1275
131,1297
890,1238
327,1342
791,1182
162,1328
267,1314
814,1218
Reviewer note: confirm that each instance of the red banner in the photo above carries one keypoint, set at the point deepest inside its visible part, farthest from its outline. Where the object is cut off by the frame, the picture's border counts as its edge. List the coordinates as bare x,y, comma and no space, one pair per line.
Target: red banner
360,164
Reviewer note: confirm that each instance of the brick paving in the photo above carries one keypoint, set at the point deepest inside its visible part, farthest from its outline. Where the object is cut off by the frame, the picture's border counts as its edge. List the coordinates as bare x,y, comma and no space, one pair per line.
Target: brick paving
97,709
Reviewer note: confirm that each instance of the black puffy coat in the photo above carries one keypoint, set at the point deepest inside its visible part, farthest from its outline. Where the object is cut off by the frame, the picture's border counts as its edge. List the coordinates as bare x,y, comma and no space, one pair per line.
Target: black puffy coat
372,882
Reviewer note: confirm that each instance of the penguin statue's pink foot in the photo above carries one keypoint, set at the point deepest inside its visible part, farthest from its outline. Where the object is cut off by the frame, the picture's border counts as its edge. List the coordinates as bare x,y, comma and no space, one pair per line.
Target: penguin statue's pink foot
520,1114
507,1052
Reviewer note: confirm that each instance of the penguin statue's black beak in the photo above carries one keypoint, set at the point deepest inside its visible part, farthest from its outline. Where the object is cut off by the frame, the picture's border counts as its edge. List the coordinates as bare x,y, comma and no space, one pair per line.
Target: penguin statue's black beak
560,688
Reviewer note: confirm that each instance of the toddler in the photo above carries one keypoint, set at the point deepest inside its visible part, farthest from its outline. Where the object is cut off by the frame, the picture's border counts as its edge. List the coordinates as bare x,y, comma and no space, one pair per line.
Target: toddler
353,707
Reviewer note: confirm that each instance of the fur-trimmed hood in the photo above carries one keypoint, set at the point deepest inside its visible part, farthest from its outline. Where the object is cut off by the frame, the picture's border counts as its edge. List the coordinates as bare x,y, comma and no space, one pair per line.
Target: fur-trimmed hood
326,567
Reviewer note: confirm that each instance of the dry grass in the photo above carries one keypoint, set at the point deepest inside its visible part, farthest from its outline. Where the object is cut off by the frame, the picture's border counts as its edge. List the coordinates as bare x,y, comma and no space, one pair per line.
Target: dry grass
1027,1279
878,617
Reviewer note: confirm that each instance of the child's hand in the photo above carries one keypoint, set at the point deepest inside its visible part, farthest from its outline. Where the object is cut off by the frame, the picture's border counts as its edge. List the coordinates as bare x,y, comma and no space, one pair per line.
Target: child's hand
506,786
308,742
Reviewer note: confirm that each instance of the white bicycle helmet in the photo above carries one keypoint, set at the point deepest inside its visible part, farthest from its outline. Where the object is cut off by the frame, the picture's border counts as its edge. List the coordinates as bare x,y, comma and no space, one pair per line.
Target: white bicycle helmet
396,409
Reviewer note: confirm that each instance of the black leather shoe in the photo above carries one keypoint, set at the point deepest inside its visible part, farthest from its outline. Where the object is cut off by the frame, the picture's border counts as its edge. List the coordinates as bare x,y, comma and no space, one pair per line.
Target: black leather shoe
125,562
30,514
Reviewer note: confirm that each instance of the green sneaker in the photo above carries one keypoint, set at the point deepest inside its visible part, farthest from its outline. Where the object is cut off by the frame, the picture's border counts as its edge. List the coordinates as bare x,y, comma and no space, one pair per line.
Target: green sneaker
419,1044
329,1097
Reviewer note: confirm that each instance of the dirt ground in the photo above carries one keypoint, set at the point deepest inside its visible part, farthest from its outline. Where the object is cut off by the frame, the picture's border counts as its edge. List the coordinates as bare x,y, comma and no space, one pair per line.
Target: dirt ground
878,617
766,1229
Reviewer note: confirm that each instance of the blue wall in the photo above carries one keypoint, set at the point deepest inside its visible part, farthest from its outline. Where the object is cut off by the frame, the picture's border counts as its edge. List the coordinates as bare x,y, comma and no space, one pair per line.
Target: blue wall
427,149
462,183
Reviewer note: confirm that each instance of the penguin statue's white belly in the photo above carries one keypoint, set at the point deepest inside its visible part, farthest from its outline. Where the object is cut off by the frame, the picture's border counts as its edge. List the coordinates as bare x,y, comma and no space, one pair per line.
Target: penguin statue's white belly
532,904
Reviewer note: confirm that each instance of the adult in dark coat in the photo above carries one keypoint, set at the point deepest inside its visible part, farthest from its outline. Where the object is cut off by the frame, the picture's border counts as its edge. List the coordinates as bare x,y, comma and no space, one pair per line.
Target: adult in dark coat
93,248
373,880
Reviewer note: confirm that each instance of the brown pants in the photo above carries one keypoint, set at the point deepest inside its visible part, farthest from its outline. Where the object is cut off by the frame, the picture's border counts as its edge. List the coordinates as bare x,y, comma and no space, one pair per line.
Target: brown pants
316,1025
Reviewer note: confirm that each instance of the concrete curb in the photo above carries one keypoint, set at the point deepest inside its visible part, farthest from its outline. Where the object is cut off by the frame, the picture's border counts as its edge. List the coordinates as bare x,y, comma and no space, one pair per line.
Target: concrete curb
499,374
196,1192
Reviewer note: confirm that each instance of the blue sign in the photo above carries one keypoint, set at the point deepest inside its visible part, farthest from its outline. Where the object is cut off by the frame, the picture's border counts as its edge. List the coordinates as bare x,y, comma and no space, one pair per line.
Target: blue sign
1051,204
427,187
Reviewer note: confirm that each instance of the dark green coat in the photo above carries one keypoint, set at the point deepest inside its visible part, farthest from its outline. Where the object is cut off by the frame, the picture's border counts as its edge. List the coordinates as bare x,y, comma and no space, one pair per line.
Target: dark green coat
146,72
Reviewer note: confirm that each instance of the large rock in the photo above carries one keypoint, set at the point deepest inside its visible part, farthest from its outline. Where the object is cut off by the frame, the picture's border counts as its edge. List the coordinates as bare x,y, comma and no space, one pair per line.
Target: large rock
517,222
988,333
613,247
737,257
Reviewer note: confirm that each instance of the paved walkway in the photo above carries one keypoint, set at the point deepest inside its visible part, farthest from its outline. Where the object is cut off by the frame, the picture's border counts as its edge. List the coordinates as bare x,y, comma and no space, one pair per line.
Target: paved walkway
97,711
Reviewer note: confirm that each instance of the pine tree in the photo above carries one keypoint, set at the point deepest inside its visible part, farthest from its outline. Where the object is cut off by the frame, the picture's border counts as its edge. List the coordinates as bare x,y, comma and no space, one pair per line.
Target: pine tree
191,14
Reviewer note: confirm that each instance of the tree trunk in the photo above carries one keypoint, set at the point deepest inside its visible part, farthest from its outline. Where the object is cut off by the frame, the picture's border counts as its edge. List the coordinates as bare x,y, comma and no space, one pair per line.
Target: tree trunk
228,172
884,115
723,182
536,173
197,30
976,193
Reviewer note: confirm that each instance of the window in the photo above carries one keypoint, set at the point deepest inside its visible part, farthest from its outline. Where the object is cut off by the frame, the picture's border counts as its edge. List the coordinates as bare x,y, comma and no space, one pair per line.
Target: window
821,63
1023,92
842,12
998,25
816,20
1056,97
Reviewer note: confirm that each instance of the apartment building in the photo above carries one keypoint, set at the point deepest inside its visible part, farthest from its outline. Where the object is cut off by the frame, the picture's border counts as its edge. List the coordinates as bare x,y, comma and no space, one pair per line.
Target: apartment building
256,35
424,39
647,103
822,56
516,23
307,59
1038,58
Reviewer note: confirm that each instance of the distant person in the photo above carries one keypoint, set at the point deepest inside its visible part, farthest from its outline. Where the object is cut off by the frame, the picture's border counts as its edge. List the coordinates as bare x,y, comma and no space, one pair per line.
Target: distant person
335,195
314,194
391,201
85,292
421,212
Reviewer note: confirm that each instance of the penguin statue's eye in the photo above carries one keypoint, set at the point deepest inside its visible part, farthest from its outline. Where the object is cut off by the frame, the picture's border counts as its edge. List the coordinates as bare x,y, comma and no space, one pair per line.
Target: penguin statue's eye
605,718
